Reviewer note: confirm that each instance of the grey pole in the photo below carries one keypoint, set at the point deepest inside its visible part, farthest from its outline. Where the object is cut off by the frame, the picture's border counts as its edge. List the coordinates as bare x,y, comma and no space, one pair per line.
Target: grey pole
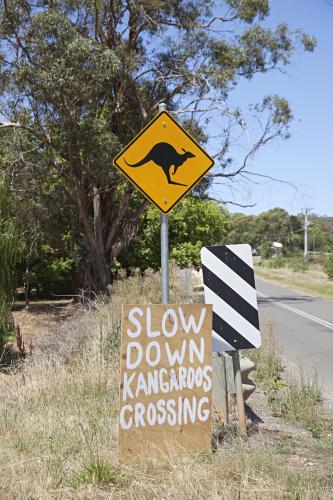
164,248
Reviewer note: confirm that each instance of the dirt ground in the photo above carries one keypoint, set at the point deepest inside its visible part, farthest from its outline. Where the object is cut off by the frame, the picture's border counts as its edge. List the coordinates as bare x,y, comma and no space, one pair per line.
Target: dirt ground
41,318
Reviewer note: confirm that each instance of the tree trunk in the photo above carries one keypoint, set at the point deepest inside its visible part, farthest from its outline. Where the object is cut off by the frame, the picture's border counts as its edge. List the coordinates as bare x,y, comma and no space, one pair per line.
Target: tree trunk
27,284
95,273
102,268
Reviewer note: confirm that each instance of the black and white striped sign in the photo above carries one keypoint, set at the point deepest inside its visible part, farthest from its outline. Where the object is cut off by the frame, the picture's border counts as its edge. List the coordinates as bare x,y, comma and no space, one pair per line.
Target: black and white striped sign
229,285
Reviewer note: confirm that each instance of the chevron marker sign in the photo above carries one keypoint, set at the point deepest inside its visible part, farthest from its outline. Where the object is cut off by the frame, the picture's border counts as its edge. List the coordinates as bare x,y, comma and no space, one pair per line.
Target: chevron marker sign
229,285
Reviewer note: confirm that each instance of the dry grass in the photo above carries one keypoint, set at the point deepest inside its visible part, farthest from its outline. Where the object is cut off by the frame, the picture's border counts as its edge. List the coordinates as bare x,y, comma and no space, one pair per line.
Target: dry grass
312,281
267,358
296,397
58,426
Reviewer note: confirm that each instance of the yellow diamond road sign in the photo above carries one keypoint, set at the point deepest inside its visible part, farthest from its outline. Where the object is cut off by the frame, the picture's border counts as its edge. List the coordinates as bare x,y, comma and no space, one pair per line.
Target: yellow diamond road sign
163,162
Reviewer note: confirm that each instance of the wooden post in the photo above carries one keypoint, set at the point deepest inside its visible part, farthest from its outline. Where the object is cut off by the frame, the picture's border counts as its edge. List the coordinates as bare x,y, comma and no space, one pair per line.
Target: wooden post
239,393
226,403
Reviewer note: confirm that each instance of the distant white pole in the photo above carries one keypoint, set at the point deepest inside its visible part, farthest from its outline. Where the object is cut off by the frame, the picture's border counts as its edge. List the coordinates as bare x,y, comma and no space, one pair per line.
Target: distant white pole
164,248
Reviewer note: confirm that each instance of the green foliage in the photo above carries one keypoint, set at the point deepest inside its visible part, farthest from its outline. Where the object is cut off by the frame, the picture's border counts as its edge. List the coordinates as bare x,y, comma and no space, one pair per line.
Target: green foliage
262,230
193,223
9,255
48,269
82,78
328,266
299,267
187,254
53,274
277,225
97,472
275,263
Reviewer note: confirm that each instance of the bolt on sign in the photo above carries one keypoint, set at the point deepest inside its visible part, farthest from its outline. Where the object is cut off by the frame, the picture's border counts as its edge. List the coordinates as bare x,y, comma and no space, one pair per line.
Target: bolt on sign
165,379
164,162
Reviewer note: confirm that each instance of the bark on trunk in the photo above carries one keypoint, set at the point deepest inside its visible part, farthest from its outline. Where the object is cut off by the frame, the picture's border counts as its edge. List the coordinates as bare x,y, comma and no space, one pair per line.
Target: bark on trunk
95,265
101,263
27,284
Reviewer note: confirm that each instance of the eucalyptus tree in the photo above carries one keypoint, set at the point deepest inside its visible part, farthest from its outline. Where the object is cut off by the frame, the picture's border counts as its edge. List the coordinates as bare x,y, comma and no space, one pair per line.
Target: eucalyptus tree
9,256
81,77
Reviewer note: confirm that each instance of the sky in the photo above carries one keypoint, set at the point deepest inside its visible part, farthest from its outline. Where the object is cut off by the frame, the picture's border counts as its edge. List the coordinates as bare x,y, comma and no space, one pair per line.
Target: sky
306,158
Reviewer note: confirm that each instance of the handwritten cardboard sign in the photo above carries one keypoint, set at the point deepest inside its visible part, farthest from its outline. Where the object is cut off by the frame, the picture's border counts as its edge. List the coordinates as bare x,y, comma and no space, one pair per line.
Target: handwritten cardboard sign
165,379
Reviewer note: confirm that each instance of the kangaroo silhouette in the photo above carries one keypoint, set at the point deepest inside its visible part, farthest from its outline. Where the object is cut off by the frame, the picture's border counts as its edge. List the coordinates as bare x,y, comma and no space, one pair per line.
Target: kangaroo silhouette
165,156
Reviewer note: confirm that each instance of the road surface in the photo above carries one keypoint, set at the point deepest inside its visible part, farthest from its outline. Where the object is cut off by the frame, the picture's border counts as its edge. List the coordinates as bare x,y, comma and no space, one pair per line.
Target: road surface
304,329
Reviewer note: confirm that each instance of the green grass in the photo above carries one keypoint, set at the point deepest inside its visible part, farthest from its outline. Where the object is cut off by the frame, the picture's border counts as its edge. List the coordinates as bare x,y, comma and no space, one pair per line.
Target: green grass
96,472
274,263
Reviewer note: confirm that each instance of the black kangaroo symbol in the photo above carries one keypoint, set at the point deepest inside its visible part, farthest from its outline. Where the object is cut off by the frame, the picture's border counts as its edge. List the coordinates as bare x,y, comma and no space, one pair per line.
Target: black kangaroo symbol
165,155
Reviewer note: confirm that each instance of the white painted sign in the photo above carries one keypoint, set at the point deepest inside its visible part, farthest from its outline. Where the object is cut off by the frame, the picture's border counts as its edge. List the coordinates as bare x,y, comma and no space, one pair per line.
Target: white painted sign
165,379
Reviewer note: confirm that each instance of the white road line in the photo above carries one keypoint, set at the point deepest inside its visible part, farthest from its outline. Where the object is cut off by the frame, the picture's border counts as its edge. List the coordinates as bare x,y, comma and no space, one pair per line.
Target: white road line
320,321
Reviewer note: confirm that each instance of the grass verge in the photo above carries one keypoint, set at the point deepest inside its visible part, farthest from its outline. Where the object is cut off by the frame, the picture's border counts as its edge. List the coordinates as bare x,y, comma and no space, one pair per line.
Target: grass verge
58,426
296,398
299,282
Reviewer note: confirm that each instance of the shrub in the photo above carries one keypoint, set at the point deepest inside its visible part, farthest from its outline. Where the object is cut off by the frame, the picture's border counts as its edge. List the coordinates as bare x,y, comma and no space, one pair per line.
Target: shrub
275,262
9,255
328,266
299,267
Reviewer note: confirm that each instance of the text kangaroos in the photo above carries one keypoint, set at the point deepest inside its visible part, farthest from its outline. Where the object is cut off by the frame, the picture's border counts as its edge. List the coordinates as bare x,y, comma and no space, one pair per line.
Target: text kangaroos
165,156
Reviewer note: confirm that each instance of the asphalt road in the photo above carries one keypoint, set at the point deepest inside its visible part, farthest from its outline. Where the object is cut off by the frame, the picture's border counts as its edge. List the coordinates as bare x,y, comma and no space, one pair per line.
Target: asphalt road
304,329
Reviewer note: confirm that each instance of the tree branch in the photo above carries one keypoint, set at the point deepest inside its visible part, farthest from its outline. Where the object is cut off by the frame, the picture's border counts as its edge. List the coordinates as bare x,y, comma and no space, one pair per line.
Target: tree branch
229,202
218,18
44,137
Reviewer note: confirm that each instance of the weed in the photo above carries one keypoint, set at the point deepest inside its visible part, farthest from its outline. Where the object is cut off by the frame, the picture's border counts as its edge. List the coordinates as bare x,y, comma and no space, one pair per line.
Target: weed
275,262
299,267
97,472
315,426
299,402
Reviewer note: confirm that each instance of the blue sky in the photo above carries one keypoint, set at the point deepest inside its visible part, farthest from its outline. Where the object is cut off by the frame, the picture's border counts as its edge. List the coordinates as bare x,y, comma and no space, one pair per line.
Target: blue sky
306,158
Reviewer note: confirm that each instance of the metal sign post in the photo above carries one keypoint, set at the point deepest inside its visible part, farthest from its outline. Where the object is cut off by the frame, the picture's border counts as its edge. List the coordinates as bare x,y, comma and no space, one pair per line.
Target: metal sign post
164,247
165,258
